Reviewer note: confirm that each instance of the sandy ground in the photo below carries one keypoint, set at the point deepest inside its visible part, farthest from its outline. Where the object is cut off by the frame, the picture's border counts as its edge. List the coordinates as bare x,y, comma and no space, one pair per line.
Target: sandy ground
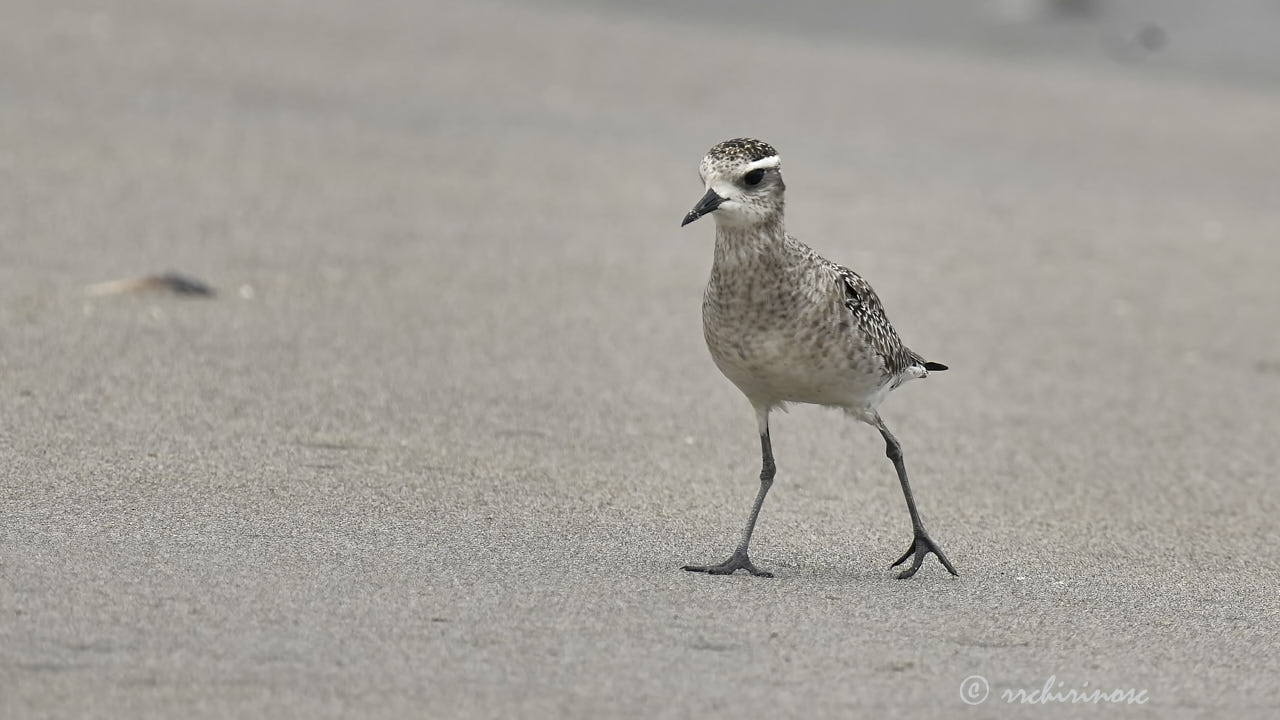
443,440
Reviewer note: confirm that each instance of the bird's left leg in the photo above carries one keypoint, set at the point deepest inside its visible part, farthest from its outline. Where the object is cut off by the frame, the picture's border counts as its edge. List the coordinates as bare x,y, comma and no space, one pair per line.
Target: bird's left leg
921,544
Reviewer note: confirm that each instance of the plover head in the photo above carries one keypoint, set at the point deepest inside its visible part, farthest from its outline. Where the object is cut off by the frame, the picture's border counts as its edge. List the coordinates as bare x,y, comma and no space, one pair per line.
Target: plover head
743,178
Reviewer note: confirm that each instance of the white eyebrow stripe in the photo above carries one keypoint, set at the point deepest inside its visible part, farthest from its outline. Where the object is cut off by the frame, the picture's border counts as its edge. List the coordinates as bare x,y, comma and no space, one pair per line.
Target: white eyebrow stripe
770,162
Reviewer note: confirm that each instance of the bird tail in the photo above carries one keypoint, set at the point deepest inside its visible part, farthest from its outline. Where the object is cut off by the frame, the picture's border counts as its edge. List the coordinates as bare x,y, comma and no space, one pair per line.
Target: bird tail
934,366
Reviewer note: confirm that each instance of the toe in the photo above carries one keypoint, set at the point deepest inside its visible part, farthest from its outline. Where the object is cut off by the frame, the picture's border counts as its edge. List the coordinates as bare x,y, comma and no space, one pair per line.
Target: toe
947,564
919,553
904,557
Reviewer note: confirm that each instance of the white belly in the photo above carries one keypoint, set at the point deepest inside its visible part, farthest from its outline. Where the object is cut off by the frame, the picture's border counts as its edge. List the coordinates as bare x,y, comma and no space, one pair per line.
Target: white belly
771,369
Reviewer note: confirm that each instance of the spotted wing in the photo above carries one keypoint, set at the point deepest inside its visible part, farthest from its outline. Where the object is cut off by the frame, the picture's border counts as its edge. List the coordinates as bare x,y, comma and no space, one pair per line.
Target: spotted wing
871,322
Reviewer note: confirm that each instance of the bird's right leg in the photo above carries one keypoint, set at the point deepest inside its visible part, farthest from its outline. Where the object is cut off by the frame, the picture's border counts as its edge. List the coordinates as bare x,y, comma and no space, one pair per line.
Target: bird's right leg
921,543
739,560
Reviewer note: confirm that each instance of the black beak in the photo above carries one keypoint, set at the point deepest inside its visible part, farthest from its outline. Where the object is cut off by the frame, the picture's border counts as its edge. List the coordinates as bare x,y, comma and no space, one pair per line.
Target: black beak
709,202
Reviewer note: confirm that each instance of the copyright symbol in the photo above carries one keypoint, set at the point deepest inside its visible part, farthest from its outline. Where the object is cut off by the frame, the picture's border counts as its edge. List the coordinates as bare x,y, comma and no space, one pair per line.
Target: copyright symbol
974,690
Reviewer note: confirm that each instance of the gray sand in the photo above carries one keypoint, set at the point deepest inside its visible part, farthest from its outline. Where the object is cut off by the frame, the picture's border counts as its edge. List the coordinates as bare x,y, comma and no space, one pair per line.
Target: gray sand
441,443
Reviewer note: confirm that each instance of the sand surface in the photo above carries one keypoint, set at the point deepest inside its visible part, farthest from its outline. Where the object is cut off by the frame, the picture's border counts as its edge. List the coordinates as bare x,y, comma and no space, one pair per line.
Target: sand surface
443,439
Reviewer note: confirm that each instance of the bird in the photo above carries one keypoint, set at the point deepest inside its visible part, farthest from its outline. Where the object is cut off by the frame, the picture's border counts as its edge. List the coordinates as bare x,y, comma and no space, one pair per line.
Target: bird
786,325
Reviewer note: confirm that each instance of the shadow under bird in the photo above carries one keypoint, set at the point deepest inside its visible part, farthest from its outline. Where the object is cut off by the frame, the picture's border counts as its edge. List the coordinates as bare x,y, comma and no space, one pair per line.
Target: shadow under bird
786,325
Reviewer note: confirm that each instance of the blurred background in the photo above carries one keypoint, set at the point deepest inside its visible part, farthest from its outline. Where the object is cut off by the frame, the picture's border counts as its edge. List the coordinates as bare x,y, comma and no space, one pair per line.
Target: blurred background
446,428
1230,41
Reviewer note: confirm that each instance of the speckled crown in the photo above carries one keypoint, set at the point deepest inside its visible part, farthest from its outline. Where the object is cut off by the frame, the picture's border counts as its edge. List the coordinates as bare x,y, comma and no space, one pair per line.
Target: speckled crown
742,149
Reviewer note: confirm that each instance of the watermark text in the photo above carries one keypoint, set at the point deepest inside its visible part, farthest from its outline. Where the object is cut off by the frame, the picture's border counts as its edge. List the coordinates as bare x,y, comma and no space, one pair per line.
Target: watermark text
975,690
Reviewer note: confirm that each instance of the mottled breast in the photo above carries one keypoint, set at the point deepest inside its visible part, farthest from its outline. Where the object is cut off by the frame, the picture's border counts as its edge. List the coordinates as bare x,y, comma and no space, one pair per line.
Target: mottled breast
787,335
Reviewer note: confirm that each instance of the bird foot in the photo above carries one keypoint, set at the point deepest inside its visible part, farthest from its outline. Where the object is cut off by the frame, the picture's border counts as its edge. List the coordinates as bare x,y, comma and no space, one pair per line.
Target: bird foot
739,561
921,546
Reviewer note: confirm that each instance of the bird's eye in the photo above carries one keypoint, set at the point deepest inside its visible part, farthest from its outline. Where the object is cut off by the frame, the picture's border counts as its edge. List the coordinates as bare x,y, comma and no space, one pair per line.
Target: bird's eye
754,177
